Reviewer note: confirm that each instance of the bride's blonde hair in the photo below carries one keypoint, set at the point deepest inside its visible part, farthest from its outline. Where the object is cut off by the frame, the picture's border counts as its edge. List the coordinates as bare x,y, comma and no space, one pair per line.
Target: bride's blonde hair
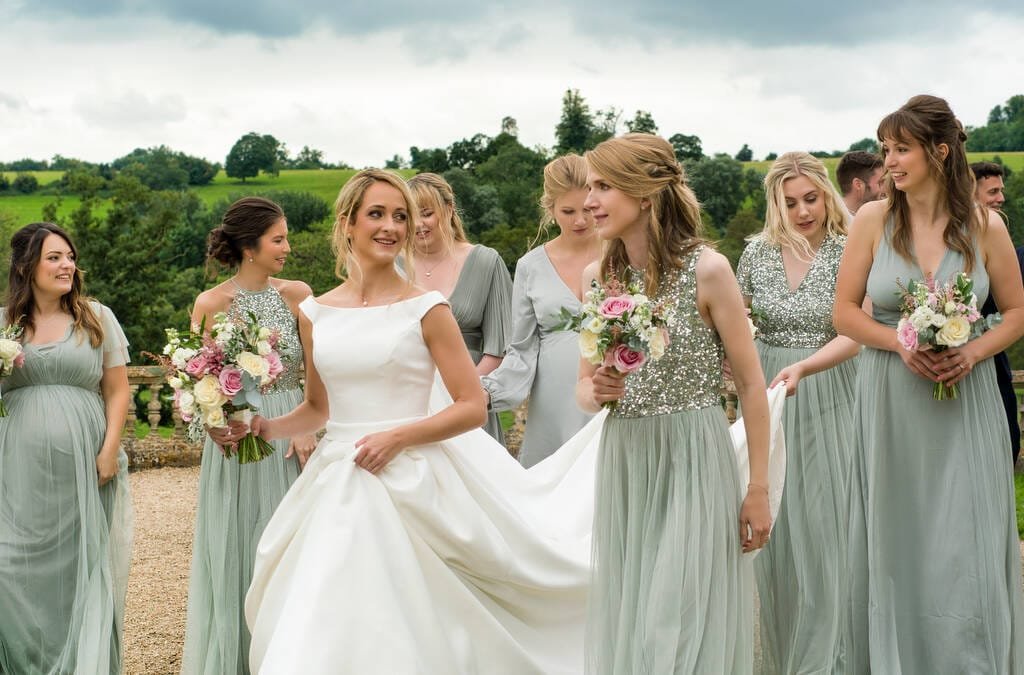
350,200
644,166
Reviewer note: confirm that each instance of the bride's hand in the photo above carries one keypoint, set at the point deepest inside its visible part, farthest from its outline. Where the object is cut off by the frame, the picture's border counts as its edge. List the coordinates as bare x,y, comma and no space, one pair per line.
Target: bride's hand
302,447
373,452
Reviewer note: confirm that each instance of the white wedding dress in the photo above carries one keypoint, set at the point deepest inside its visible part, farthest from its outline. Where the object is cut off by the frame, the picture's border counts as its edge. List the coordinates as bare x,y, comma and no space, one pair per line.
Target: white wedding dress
452,560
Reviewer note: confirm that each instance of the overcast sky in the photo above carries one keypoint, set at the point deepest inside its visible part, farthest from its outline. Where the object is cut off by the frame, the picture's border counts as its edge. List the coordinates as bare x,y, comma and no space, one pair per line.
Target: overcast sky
363,81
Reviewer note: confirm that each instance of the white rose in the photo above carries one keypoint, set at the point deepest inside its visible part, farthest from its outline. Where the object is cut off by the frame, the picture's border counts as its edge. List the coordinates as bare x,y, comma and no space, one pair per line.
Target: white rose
588,346
9,349
263,347
949,308
180,356
955,332
175,383
264,333
595,325
253,364
186,403
922,318
214,417
657,343
208,394
938,320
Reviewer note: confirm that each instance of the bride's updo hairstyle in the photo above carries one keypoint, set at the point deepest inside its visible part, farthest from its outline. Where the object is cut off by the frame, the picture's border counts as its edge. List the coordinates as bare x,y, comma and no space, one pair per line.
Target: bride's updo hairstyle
350,200
243,224
561,175
644,166
929,121
778,231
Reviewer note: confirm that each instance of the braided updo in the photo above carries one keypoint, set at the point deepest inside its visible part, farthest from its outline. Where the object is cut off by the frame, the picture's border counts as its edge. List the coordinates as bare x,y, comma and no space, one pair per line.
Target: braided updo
243,224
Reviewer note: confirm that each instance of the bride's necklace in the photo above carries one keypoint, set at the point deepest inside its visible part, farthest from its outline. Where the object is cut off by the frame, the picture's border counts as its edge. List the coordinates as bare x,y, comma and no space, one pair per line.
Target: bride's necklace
381,300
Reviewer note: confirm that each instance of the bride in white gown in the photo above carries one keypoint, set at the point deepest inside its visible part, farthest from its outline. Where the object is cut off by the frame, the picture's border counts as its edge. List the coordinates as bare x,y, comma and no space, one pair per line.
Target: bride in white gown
412,542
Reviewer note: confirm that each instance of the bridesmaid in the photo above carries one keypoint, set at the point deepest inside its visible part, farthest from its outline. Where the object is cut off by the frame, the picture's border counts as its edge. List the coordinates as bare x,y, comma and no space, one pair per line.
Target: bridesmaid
934,552
65,510
541,359
788,274
671,593
472,277
236,501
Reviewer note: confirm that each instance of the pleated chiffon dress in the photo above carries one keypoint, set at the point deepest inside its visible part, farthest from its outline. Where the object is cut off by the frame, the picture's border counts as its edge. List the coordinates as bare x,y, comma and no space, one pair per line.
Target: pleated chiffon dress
935,570
235,504
671,591
801,571
65,542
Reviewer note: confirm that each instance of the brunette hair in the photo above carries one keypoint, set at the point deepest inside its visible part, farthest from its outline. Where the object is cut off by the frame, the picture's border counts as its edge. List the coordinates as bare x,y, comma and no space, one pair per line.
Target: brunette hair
928,120
644,166
243,224
26,252
856,164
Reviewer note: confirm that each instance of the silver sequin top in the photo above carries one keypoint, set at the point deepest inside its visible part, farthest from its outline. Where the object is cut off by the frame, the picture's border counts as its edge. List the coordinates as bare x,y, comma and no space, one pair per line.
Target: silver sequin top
273,312
800,318
689,375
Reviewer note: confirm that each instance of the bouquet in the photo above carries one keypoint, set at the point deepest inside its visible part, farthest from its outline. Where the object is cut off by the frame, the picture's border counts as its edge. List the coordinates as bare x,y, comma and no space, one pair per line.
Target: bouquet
619,326
939,317
220,377
11,355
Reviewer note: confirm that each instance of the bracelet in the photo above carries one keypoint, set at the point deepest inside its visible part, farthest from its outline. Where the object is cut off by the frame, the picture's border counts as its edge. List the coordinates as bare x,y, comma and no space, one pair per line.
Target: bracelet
757,485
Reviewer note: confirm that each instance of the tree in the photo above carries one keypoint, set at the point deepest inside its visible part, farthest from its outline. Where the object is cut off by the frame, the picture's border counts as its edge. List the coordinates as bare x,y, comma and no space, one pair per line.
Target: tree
686,147
771,156
431,160
866,144
576,127
745,154
605,125
509,126
718,183
734,239
308,158
396,162
642,123
468,152
25,183
251,154
4,183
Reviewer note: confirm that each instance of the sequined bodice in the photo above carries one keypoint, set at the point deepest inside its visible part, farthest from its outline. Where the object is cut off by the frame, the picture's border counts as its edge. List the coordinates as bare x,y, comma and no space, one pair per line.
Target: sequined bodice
689,375
785,318
273,312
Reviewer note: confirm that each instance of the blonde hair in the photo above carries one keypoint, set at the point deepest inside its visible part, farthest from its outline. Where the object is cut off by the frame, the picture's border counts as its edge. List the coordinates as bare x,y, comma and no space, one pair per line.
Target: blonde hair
561,176
644,166
346,207
929,121
778,230
431,191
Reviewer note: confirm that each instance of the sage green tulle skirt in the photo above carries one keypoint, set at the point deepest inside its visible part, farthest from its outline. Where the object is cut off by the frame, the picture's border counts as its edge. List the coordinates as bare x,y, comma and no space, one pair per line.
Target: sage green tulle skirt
672,592
65,542
801,572
935,576
235,504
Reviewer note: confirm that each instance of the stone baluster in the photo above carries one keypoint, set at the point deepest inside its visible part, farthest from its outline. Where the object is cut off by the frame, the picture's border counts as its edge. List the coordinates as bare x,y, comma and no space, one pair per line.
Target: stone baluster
154,405
129,423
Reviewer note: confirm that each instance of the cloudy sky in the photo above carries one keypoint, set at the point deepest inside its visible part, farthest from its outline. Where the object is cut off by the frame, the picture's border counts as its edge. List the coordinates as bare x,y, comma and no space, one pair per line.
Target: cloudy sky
363,81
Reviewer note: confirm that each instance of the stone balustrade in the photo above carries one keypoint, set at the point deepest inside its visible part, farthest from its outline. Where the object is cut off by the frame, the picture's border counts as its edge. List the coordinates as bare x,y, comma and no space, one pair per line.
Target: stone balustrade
155,450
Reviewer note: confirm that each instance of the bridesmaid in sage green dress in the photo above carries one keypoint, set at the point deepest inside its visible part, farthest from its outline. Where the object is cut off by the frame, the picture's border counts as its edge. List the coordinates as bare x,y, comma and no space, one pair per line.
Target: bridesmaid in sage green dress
934,554
473,278
672,593
65,509
540,363
237,500
788,274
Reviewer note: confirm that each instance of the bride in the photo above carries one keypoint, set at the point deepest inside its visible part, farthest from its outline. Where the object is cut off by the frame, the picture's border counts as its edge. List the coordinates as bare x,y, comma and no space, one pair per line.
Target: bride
413,542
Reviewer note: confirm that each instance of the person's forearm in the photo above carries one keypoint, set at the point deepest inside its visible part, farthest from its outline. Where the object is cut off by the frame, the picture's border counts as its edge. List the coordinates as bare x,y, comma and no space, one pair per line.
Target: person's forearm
306,418
458,418
835,351
1001,336
852,321
116,412
754,403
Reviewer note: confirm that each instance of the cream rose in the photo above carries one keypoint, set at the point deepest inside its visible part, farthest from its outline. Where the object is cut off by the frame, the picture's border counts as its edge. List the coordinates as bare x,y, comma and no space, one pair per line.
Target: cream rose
214,418
253,364
595,325
176,383
588,346
657,343
955,332
263,347
208,394
9,349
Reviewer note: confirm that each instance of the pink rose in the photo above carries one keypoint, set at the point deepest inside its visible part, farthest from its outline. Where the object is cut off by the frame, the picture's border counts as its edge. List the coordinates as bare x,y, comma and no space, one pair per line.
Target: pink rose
625,359
19,360
230,380
906,335
196,366
275,365
615,307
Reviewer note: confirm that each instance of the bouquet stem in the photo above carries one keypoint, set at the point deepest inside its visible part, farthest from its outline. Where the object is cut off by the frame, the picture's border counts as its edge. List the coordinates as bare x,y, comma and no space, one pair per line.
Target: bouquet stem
945,392
253,448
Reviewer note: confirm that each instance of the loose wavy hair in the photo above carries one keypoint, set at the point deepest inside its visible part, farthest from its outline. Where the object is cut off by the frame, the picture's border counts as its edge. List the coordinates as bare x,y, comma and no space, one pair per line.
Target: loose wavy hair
350,200
778,231
26,252
645,166
432,191
929,121
561,175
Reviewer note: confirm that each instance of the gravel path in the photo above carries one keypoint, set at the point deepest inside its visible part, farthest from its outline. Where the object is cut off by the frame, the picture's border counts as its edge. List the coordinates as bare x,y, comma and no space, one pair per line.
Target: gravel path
158,586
